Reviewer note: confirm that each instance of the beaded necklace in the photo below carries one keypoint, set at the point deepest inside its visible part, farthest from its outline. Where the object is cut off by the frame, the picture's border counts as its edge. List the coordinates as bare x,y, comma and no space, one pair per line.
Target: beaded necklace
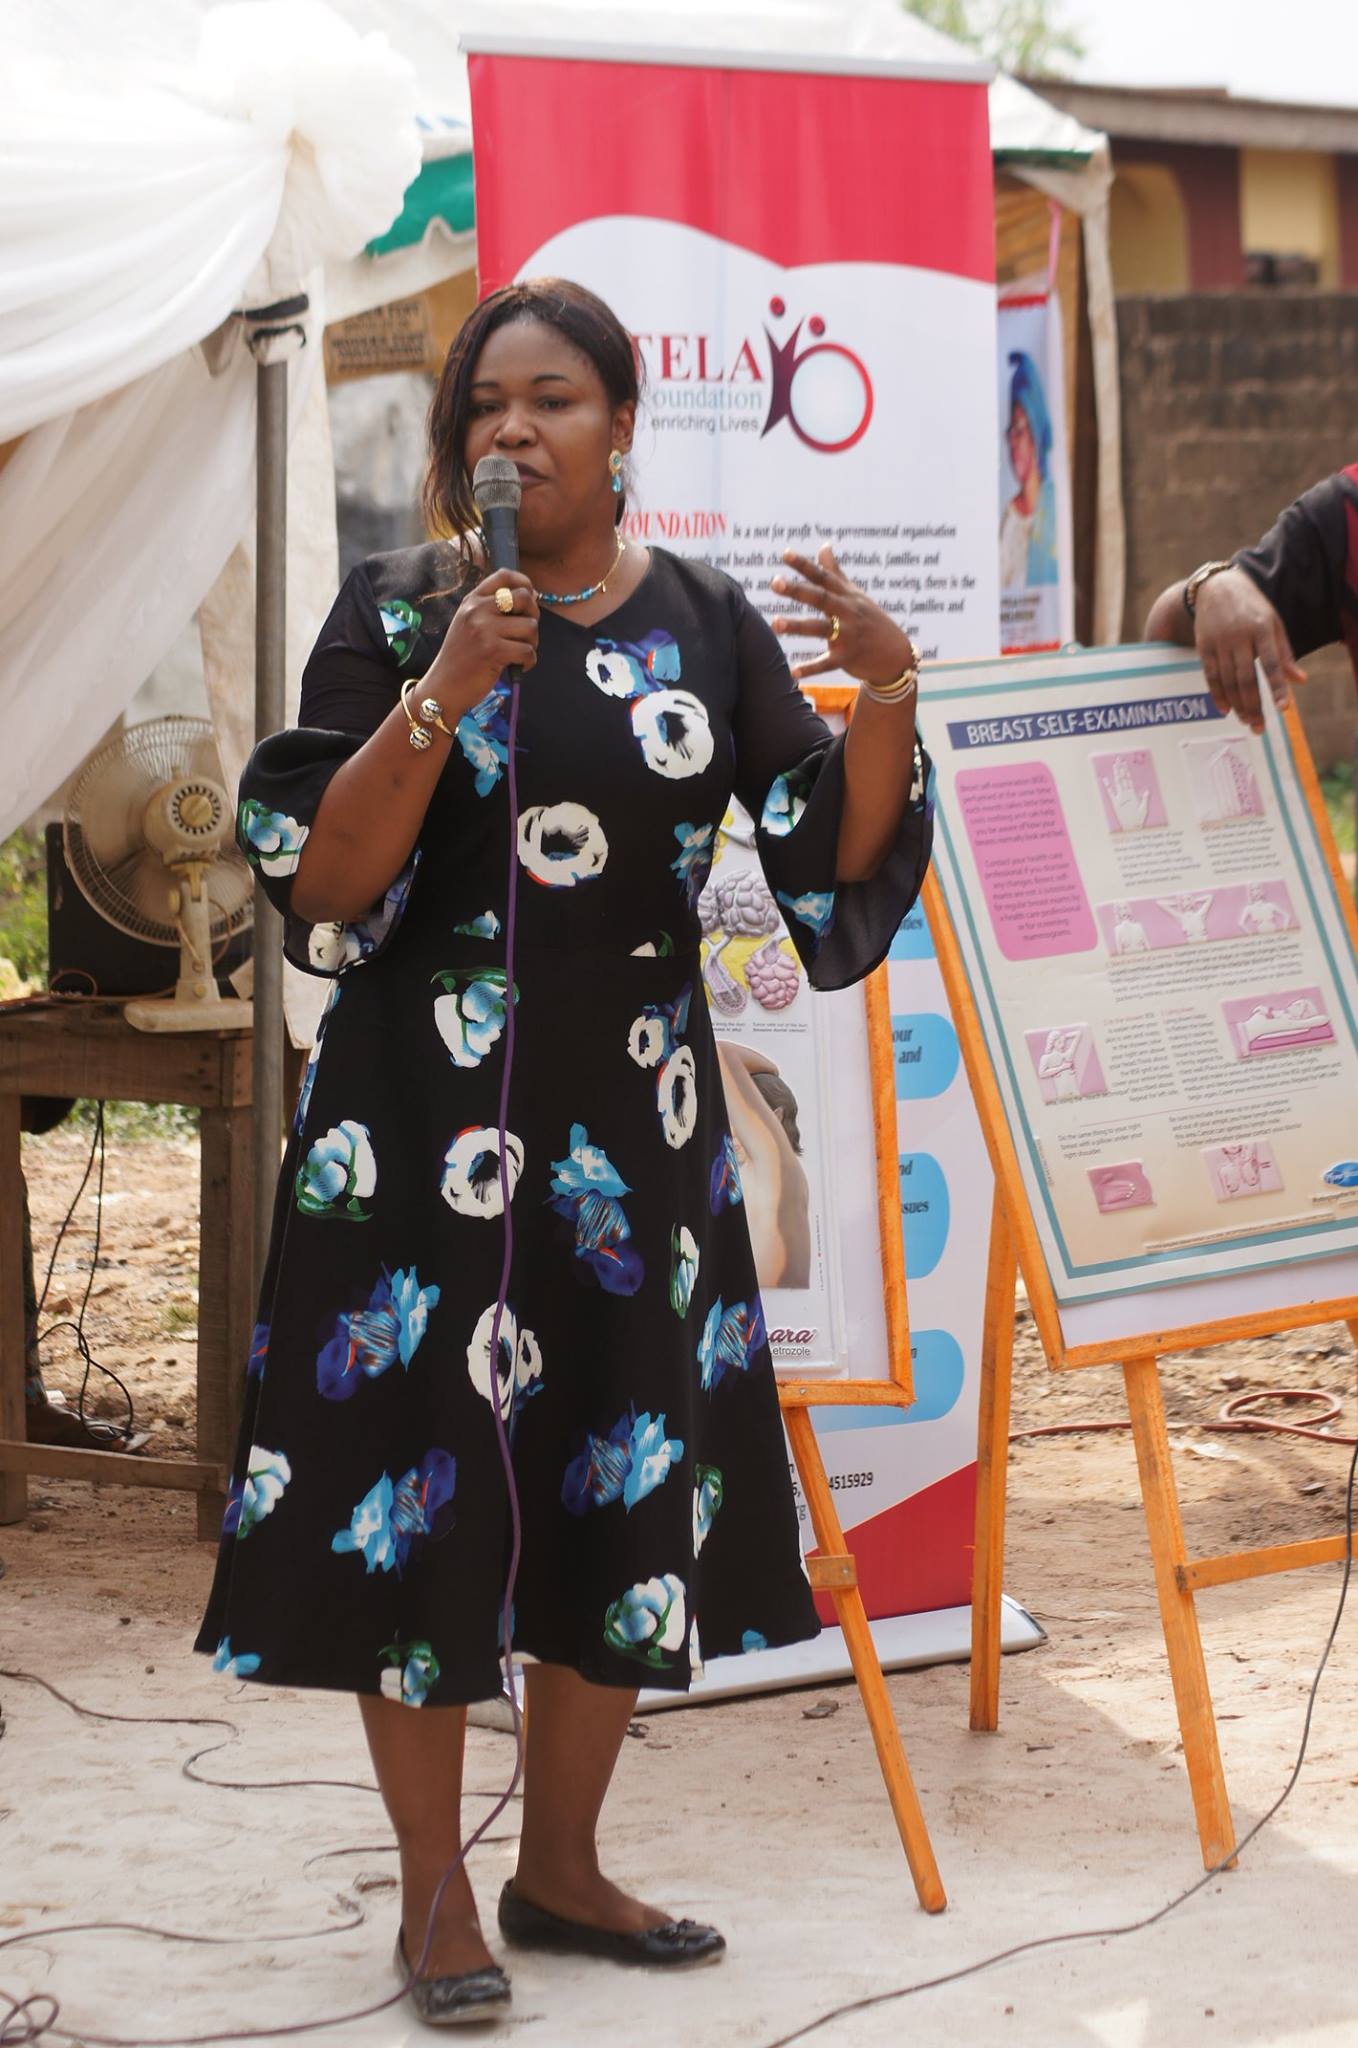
593,590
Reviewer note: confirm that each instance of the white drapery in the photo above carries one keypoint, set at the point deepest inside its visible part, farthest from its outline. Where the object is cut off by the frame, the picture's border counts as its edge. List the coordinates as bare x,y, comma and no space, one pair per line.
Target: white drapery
142,205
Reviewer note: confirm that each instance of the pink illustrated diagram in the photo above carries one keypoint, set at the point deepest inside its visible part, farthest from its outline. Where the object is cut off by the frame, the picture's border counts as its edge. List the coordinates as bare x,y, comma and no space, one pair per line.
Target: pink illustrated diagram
1222,780
1236,910
1277,1023
1066,1063
1129,790
1121,1186
1247,1168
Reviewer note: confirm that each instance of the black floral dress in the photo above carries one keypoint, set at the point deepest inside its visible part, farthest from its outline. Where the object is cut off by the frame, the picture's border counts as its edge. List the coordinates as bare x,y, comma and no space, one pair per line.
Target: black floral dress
367,1532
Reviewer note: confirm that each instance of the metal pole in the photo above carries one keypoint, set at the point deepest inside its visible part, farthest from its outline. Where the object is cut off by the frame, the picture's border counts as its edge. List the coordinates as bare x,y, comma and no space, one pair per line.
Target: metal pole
271,530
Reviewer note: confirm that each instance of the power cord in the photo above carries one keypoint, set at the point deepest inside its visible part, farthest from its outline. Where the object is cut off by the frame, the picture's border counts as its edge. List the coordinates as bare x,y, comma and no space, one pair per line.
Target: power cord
1023,1948
97,1151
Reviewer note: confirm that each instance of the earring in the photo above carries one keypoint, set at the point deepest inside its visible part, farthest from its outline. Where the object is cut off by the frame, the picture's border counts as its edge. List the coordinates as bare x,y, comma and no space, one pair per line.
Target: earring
615,471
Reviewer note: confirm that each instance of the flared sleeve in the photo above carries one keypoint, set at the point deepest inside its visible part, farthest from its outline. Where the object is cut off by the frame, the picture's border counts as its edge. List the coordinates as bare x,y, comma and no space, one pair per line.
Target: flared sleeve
350,683
790,778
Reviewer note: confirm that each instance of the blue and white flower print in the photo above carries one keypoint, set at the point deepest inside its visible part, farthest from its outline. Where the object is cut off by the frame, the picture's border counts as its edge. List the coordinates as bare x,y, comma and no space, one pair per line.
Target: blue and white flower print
313,1062
659,1028
338,1174
633,668
693,862
673,732
785,804
333,947
258,1493
676,1091
401,624
561,845
470,1184
627,1464
230,1664
587,1190
259,1346
483,735
470,1014
367,1341
815,909
486,926
753,1640
684,1259
649,1622
708,1494
724,1189
518,1368
410,1673
390,1520
732,1338
270,839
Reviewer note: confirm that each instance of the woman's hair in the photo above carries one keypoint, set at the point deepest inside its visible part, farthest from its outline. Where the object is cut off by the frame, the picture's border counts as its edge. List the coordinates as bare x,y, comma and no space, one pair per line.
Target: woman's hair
1025,391
580,318
783,1103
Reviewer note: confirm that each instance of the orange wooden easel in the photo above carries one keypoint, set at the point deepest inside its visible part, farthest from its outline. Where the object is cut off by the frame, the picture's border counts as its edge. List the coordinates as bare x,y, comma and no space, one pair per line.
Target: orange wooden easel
1014,1248
832,1568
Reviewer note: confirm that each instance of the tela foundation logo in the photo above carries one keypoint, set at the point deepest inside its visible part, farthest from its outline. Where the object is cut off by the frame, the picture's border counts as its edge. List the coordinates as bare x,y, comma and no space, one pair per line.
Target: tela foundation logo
822,390
819,387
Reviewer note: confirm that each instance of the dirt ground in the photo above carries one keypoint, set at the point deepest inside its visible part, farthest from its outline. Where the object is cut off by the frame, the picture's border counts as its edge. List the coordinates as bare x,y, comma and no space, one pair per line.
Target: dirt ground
1075,1816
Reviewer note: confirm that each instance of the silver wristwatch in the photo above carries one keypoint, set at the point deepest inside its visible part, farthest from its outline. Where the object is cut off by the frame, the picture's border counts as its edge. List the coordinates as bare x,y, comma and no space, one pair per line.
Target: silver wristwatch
1196,581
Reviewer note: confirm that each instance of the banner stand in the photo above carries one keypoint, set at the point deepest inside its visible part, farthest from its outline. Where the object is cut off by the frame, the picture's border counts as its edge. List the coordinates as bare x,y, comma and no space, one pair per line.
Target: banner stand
1015,1247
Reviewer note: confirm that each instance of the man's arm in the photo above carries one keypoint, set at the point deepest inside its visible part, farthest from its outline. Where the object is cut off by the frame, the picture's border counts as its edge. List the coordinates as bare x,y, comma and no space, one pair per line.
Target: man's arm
1282,593
1233,627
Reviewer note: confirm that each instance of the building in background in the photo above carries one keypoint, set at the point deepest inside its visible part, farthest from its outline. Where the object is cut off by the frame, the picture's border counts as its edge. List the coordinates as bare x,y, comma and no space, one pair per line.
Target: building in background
1211,193
1234,247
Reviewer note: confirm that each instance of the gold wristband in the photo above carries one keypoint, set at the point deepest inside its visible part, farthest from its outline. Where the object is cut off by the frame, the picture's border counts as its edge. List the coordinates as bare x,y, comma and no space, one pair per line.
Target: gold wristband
897,692
430,714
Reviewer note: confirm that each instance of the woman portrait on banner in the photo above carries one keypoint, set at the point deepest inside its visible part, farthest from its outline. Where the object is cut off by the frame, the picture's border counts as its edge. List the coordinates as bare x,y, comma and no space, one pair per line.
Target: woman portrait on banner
513,1121
1028,529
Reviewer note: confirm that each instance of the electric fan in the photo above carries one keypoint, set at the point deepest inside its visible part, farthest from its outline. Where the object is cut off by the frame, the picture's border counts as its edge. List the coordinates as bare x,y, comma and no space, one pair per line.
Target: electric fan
148,837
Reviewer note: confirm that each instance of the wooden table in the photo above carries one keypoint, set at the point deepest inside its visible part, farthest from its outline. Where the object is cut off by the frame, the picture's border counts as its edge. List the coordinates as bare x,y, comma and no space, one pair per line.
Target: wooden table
90,1050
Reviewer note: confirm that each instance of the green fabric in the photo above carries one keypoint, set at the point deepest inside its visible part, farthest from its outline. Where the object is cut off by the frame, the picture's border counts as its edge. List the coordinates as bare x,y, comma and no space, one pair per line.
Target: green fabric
442,191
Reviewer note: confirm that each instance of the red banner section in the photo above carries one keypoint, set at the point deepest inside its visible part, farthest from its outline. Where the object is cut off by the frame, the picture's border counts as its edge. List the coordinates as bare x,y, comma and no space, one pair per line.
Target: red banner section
873,169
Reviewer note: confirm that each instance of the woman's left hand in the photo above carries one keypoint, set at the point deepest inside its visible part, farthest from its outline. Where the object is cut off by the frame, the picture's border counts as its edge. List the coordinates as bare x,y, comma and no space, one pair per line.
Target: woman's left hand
862,640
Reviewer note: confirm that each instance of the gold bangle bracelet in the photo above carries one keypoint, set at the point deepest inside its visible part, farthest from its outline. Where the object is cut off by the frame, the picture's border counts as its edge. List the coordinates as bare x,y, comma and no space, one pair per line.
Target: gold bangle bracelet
904,686
430,714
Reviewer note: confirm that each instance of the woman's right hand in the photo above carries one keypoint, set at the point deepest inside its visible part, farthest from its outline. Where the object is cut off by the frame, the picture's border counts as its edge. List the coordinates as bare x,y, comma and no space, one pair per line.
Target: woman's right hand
483,641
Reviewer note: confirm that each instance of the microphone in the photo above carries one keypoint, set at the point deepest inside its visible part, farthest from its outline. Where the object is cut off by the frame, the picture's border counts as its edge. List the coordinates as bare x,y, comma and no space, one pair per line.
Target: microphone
497,491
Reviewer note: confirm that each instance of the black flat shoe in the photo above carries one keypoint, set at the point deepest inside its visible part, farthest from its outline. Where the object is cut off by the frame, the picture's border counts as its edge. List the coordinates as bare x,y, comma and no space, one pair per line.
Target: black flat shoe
674,1941
454,2001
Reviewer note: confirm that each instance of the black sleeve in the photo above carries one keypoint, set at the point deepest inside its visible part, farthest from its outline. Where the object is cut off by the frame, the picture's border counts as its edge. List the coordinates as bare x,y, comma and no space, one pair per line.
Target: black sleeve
790,778
1299,565
349,686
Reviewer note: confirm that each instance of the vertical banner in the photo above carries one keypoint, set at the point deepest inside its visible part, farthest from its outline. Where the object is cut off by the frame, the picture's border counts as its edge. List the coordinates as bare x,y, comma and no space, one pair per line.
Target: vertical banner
805,261
1037,567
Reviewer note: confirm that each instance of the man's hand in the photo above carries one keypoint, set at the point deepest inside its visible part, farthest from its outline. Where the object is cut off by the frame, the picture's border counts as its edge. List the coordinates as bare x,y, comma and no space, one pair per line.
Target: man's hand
1235,627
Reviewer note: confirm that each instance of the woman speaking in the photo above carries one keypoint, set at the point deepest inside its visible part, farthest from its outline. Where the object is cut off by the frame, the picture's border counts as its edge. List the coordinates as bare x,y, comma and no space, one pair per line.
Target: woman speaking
369,1529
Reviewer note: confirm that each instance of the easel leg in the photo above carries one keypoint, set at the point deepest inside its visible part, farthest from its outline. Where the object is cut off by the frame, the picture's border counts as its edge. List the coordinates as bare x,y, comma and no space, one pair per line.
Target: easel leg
1178,1615
867,1670
992,1470
13,1407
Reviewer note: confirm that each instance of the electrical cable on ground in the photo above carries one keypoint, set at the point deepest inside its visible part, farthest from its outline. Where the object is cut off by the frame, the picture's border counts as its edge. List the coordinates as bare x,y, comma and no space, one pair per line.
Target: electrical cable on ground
36,2016
1074,1935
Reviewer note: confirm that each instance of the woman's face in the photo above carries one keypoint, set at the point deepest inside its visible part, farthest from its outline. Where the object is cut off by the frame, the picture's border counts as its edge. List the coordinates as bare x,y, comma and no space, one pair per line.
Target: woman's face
539,401
1022,452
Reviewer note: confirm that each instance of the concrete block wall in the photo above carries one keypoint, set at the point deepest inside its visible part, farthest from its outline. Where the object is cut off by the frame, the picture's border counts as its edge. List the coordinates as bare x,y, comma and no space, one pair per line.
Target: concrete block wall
1232,404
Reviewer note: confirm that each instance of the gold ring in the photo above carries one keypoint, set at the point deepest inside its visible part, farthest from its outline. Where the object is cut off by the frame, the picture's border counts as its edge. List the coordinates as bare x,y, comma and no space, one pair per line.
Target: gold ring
504,600
834,627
